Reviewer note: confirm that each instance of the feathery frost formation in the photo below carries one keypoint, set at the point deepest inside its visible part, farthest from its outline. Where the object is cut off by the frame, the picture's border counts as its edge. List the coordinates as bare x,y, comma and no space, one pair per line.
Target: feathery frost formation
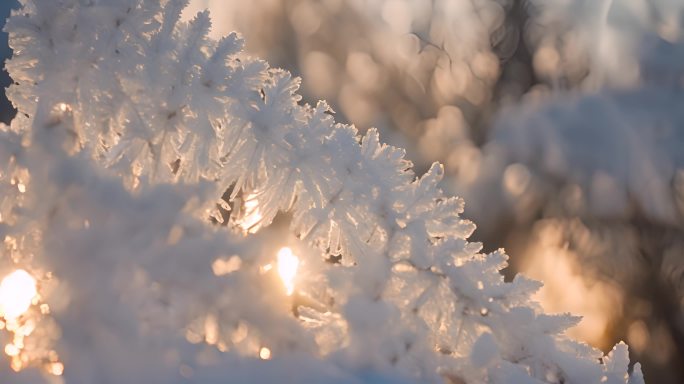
132,125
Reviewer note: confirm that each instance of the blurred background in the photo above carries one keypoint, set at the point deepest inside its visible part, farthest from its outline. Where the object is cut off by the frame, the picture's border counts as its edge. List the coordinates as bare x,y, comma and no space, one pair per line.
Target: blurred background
560,122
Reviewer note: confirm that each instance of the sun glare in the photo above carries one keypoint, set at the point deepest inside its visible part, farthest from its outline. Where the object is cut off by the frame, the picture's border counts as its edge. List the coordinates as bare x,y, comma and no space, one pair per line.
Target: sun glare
17,291
264,353
287,268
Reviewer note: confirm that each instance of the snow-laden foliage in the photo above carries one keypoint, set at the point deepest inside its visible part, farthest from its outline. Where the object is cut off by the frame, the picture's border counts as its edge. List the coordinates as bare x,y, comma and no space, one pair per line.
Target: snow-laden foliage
133,125
557,122
602,42
584,185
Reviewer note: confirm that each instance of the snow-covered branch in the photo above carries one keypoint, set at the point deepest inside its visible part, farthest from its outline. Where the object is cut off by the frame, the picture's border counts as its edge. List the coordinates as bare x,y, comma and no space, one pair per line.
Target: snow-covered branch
133,125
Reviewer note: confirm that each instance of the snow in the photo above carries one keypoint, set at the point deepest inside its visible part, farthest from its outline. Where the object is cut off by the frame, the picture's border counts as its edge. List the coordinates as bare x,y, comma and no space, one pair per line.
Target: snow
132,125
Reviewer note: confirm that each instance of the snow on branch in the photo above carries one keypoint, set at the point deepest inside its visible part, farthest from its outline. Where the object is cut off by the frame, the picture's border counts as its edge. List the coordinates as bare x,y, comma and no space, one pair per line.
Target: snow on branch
132,125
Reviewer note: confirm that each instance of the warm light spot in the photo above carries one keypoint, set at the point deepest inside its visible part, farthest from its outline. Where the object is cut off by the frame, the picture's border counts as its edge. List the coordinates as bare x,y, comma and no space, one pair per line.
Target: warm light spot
638,336
26,328
225,266
193,337
547,60
63,107
264,353
566,289
16,364
402,268
265,268
17,291
211,330
56,369
287,268
12,350
516,179
18,340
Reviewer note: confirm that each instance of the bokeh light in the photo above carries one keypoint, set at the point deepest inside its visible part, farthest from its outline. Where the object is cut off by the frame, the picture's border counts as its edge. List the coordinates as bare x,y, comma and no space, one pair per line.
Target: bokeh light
287,268
264,353
17,291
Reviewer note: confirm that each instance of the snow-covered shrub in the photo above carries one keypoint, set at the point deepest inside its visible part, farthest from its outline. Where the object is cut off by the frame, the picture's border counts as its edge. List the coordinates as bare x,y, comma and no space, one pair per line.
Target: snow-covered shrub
429,70
368,57
598,175
585,186
137,135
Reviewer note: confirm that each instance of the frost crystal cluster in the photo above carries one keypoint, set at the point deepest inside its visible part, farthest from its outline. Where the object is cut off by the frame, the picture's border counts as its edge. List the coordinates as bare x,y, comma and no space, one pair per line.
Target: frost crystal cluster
139,183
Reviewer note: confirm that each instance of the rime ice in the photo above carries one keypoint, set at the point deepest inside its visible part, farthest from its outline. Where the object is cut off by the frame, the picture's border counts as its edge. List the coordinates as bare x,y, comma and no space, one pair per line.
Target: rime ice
166,127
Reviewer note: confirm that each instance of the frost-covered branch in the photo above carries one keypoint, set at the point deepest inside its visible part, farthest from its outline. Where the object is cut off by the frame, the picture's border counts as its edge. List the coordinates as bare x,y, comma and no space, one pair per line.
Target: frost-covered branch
132,125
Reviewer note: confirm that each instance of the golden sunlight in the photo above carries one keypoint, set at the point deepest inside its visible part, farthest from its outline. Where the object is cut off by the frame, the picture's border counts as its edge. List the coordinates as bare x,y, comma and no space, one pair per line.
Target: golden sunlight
17,291
55,368
287,268
264,353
